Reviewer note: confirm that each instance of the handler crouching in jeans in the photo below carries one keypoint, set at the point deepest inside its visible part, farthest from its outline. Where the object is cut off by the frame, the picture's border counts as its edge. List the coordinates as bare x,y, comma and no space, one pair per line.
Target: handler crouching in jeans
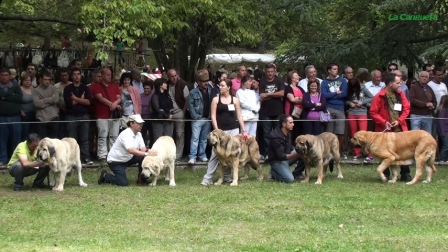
279,146
24,163
128,149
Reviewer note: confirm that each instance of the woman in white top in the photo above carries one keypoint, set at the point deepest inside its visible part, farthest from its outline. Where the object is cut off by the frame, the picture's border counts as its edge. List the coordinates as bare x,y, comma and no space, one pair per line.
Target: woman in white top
250,105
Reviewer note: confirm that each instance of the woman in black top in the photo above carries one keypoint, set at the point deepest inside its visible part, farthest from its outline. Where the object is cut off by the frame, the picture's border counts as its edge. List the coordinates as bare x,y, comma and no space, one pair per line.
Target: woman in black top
226,115
161,108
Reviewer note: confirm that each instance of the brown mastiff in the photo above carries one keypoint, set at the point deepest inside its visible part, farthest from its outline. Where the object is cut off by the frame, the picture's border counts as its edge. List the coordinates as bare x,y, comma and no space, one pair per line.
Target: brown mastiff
317,151
400,148
233,151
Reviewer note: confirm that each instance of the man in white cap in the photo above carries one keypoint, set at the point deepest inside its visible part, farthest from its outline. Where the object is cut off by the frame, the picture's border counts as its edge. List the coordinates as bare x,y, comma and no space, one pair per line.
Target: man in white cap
128,149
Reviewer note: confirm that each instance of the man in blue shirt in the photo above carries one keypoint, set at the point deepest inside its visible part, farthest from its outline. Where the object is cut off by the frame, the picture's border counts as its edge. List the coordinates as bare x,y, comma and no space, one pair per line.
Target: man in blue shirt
335,88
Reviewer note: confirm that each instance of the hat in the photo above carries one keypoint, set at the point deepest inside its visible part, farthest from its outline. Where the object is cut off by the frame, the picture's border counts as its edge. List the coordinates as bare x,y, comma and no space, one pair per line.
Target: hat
136,118
203,77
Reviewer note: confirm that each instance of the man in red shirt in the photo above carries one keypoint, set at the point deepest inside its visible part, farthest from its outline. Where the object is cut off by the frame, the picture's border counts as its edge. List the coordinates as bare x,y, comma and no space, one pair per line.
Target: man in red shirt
389,111
107,98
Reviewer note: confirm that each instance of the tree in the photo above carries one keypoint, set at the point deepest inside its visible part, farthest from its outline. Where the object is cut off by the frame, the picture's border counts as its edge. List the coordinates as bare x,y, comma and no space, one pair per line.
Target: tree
359,33
181,33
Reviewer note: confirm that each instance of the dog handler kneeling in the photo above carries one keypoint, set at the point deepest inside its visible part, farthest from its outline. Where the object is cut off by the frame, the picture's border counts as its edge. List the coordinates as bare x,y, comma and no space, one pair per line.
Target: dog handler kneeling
24,163
279,146
128,149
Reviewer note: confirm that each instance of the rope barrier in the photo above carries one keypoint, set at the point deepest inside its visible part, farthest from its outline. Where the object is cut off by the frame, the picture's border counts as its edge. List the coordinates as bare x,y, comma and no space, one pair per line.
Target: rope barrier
193,120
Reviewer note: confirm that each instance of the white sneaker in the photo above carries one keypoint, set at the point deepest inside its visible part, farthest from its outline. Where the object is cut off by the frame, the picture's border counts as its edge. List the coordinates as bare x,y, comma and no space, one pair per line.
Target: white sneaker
204,159
192,161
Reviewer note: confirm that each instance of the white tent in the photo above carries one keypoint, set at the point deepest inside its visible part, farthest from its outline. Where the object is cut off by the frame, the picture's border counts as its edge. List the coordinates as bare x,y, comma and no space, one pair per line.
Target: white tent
238,58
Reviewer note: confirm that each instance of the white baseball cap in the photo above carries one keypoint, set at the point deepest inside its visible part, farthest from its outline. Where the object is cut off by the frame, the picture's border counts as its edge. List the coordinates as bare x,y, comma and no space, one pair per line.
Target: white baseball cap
136,118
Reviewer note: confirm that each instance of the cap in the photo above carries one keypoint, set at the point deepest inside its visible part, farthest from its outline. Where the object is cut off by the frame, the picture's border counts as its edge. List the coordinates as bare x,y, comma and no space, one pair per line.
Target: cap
203,77
136,118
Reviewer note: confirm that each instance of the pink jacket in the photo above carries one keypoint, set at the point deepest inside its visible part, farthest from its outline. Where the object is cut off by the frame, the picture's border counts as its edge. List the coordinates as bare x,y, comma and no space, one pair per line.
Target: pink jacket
136,99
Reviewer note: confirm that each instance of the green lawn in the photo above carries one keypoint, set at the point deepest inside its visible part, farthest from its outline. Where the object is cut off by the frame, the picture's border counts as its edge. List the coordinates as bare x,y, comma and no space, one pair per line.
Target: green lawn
358,213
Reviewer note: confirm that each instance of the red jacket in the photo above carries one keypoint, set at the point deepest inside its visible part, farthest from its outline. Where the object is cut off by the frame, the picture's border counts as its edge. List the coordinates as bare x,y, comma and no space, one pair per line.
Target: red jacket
379,110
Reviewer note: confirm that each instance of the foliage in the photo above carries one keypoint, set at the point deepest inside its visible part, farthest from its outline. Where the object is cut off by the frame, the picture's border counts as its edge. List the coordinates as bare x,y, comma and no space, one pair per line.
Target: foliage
358,213
360,33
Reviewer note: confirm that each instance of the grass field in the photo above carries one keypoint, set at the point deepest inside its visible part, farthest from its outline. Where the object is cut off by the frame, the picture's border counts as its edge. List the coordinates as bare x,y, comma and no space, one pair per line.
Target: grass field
358,213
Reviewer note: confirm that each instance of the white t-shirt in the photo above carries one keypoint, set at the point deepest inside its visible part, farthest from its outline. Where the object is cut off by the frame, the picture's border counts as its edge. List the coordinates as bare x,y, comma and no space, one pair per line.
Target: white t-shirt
126,140
439,90
374,89
304,84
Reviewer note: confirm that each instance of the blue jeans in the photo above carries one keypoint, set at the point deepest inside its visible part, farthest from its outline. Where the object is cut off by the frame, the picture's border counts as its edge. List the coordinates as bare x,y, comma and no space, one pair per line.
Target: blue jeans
268,126
444,149
119,169
423,122
10,134
78,129
280,170
200,130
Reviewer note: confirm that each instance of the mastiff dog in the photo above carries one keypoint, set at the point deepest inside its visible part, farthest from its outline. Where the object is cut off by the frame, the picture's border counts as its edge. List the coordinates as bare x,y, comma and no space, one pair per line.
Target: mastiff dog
164,161
319,151
233,151
61,156
393,149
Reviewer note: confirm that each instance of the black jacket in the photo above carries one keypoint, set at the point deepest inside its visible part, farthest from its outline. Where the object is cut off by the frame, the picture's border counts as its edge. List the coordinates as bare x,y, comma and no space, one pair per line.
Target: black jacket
161,105
279,145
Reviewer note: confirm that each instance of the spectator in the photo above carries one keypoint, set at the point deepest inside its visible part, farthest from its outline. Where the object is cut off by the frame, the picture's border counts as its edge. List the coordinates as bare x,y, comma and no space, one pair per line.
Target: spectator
13,76
226,115
10,105
129,149
162,110
389,111
136,80
250,105
358,96
313,103
64,81
423,103
77,100
31,70
334,88
28,110
272,91
442,128
199,107
236,82
130,99
178,91
107,98
148,88
24,163
311,74
281,150
293,100
46,98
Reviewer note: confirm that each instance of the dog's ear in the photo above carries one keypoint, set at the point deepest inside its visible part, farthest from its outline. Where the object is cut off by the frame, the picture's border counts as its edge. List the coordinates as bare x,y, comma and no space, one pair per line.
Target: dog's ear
229,146
51,150
308,145
154,171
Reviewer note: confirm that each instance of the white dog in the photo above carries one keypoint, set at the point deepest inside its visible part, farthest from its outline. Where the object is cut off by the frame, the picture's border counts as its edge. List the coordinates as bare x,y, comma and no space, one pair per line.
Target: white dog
61,156
166,156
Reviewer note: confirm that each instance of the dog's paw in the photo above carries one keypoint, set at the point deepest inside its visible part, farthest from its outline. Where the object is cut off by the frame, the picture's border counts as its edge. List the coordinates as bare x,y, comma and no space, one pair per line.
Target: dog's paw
172,184
409,183
234,183
304,181
391,181
384,179
426,181
318,183
217,183
244,178
340,177
260,178
58,189
83,184
167,179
